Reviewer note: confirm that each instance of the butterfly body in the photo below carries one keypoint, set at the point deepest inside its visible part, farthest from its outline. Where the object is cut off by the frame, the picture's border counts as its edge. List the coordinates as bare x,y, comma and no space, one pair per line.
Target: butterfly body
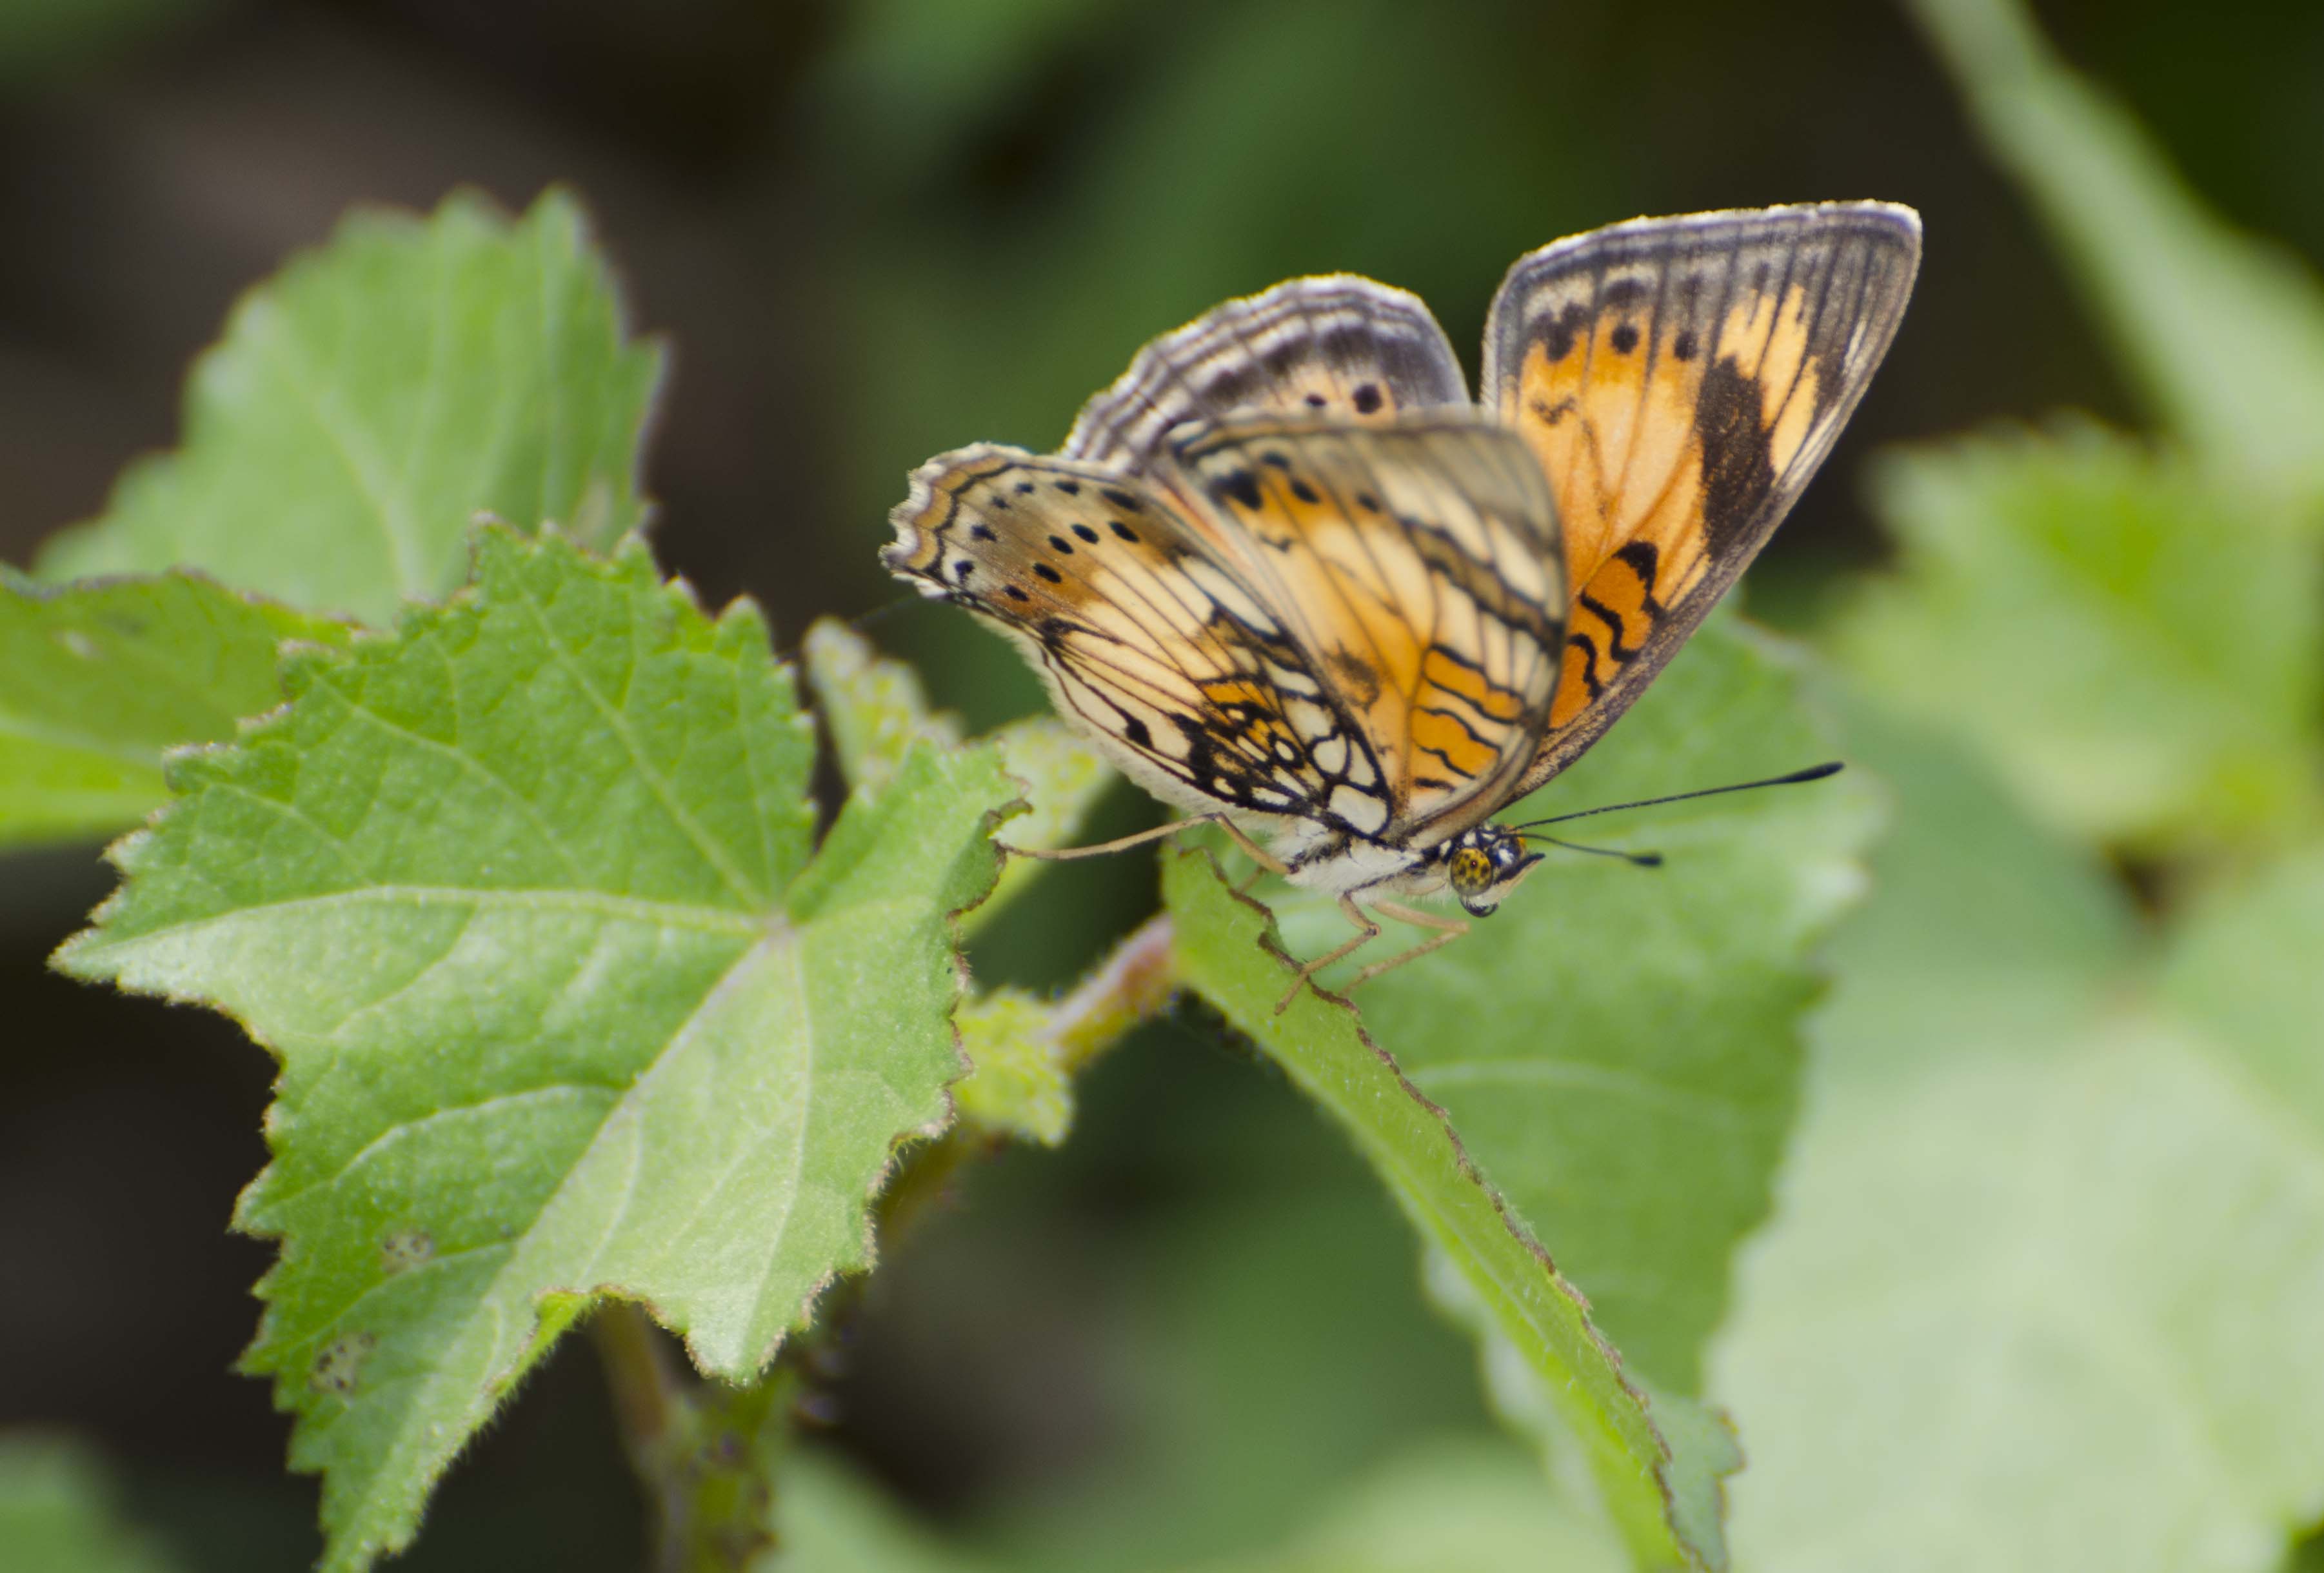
1289,576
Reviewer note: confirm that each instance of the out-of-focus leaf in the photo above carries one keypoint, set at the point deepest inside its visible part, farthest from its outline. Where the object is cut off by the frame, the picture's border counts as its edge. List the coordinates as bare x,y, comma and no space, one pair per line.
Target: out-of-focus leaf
876,710
523,898
2246,968
1019,1084
1452,1507
370,400
2044,1290
833,1521
1226,950
1619,1048
2224,330
1025,1052
96,680
2139,652
58,1512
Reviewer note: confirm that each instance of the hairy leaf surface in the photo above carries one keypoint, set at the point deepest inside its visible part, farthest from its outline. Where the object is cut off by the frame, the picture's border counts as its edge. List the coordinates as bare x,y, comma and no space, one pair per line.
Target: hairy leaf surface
525,899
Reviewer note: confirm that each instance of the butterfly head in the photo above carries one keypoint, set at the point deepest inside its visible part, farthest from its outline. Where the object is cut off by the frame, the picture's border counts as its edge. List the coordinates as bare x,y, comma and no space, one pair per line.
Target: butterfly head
1483,865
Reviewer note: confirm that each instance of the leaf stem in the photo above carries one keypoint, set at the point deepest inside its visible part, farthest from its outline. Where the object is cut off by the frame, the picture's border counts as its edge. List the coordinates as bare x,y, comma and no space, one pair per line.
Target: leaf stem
1134,984
702,1451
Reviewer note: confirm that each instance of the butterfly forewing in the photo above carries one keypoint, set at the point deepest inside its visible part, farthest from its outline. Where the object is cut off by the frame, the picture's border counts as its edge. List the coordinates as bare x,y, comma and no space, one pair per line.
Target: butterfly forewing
1338,346
1150,642
1678,381
1416,564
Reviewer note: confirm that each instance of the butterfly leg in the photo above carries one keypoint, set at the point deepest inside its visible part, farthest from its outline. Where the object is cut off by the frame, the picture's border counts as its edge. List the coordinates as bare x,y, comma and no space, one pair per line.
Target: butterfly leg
1366,931
1447,930
1267,860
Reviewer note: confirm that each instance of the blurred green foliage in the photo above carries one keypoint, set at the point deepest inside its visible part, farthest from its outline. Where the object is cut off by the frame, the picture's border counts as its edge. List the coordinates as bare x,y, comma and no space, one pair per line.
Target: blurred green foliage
60,1513
40,39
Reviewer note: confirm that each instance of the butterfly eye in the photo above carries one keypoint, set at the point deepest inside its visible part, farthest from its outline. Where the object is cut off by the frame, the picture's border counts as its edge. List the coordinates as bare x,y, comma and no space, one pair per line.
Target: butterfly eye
1471,871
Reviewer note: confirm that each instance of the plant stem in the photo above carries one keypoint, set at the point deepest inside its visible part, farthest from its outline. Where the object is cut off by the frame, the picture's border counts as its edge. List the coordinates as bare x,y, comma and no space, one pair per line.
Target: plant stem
1131,985
699,1448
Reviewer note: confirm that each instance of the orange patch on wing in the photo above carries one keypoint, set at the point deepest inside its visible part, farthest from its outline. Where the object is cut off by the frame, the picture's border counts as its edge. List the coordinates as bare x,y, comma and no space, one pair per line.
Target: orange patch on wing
1617,443
1447,738
1442,671
1576,672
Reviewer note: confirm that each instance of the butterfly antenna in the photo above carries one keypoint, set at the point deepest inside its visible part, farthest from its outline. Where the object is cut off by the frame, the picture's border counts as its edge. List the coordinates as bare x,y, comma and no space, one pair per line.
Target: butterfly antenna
1637,859
1812,773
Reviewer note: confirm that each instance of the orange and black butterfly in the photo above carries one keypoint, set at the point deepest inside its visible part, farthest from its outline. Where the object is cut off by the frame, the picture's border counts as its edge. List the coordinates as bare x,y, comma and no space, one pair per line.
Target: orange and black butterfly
1291,577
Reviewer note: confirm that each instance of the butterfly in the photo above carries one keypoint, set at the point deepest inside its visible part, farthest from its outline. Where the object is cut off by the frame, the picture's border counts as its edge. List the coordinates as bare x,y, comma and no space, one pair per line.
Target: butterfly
1292,579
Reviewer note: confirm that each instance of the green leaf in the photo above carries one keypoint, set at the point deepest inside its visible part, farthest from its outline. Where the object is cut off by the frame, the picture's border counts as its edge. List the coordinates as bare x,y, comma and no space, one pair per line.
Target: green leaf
370,400
875,709
2056,605
58,1512
1020,1084
96,680
2245,968
832,1521
2224,330
1620,1049
1452,1507
523,898
2044,1290
1408,1142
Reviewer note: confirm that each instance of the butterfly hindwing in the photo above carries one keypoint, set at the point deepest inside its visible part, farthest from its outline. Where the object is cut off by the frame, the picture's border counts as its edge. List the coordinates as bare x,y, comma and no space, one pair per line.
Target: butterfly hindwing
1416,564
1153,646
1680,380
1332,346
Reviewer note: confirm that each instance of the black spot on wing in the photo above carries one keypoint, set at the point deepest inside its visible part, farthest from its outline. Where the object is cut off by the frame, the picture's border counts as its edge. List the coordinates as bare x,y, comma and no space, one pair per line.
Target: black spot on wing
1562,332
1738,475
1242,485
